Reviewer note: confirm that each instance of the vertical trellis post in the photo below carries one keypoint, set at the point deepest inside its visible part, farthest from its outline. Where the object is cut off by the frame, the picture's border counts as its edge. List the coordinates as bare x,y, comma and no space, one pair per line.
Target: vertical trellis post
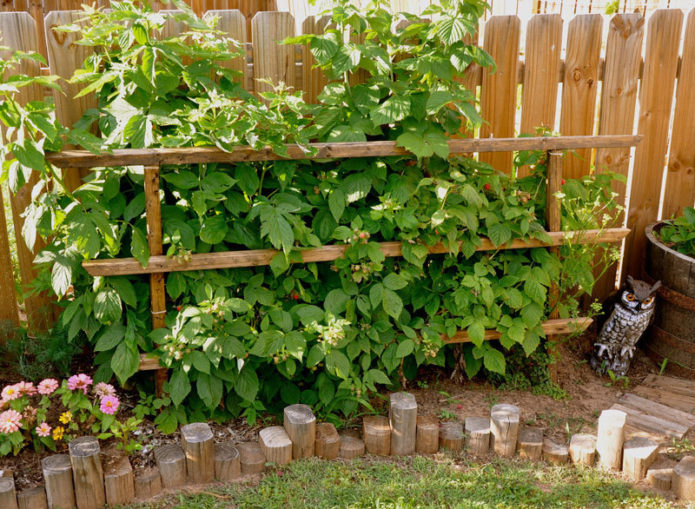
153,212
552,210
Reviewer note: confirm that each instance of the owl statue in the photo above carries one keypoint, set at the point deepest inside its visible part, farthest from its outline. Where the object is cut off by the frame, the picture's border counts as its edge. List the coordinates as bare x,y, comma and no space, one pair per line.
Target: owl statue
632,314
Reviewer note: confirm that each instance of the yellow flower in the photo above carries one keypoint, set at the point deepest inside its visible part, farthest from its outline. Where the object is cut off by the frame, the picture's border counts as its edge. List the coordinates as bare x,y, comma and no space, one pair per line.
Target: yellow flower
65,417
58,433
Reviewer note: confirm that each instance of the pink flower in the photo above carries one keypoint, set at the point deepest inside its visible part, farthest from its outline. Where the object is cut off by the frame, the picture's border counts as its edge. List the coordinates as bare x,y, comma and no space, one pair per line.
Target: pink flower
26,388
10,421
103,389
43,429
10,392
80,381
109,404
48,386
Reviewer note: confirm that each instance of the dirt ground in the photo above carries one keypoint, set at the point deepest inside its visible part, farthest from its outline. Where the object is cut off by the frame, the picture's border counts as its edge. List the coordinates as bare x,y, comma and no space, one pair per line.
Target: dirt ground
437,395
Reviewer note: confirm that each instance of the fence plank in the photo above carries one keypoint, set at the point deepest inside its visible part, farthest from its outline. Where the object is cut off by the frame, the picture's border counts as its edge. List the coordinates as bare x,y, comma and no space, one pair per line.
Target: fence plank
248,8
656,96
232,23
579,87
314,79
9,314
19,32
618,99
498,93
539,98
64,56
680,176
272,60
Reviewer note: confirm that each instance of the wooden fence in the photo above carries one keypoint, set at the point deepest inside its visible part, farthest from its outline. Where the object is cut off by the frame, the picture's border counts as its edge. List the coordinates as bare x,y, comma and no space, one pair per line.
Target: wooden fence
572,79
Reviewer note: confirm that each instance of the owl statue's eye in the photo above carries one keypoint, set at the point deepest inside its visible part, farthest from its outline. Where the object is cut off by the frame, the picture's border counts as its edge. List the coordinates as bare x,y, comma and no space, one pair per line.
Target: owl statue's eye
647,301
630,297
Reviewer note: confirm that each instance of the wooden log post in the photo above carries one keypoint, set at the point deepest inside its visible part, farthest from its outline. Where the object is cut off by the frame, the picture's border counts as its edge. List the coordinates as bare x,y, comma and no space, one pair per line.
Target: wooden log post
32,498
8,495
478,435
57,474
252,458
153,213
403,419
554,452
451,435
683,481
554,224
227,462
660,478
350,447
638,455
198,444
276,445
87,472
610,439
530,443
300,424
148,483
171,462
119,483
327,441
427,436
583,449
376,433
504,428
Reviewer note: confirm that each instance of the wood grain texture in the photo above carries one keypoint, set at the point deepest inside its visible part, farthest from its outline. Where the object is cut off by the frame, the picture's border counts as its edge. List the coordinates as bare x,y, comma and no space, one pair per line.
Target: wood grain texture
554,452
64,57
271,60
656,97
276,445
197,442
343,150
8,494
610,439
680,175
313,78
148,483
32,498
530,443
638,455
504,428
233,24
579,87
227,462
300,424
260,257
554,222
171,462
57,474
403,420
582,449
248,8
451,435
427,440
477,435
252,458
327,441
350,447
683,481
87,472
19,30
9,312
618,100
542,53
119,482
498,93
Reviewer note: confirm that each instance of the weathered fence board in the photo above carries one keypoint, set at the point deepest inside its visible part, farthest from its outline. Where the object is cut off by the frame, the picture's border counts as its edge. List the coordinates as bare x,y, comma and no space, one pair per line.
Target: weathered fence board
232,23
271,60
680,176
579,87
656,96
498,93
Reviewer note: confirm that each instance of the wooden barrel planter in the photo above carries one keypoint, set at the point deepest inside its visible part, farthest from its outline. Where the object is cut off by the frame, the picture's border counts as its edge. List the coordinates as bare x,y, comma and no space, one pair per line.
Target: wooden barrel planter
672,335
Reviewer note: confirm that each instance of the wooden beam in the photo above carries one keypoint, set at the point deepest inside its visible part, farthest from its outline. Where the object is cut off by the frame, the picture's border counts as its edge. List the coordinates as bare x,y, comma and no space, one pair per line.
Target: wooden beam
558,326
260,257
193,155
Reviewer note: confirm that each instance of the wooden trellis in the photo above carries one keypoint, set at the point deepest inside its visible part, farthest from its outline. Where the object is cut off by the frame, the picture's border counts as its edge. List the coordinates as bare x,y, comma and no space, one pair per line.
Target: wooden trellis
158,264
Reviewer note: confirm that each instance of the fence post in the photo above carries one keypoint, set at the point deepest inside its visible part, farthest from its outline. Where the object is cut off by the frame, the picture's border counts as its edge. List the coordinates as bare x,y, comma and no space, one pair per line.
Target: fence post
552,211
153,212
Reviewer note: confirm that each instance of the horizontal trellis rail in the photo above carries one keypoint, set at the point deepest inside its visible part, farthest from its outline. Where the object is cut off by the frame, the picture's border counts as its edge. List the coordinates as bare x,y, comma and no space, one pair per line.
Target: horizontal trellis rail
261,257
193,155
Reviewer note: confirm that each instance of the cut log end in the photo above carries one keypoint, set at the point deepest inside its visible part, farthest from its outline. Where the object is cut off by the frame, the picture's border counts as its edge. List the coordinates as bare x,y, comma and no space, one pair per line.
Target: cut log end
504,428
227,462
376,433
583,449
57,474
171,461
119,483
610,438
198,444
32,498
87,472
451,435
351,447
8,495
555,453
403,420
683,481
276,445
660,478
148,483
427,436
478,435
252,458
638,455
300,425
327,441
530,443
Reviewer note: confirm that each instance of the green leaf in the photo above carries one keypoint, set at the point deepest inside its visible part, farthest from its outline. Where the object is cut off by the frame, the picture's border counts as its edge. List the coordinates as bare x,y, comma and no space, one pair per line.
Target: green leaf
379,377
437,99
335,301
376,294
210,390
277,229
135,207
405,347
113,335
336,203
535,291
493,360
315,356
107,305
393,109
200,361
125,290
532,314
338,363
179,386
176,284
246,385
61,275
392,303
499,233
476,331
139,248
415,143
125,362
29,155
214,229
394,281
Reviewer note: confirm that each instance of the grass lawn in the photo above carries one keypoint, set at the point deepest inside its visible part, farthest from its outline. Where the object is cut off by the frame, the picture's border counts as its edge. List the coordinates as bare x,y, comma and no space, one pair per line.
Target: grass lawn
419,481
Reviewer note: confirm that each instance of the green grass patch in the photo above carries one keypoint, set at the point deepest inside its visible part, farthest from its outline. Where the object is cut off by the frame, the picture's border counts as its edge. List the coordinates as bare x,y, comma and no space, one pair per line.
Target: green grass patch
442,481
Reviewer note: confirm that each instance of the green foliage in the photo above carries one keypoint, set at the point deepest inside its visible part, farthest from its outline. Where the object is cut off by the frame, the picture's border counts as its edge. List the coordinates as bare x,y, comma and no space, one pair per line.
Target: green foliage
241,342
679,233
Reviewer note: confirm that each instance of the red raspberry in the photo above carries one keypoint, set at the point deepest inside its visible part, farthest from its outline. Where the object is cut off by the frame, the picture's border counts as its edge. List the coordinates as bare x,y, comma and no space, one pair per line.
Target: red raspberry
562,182
487,187
459,407
178,308
295,295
